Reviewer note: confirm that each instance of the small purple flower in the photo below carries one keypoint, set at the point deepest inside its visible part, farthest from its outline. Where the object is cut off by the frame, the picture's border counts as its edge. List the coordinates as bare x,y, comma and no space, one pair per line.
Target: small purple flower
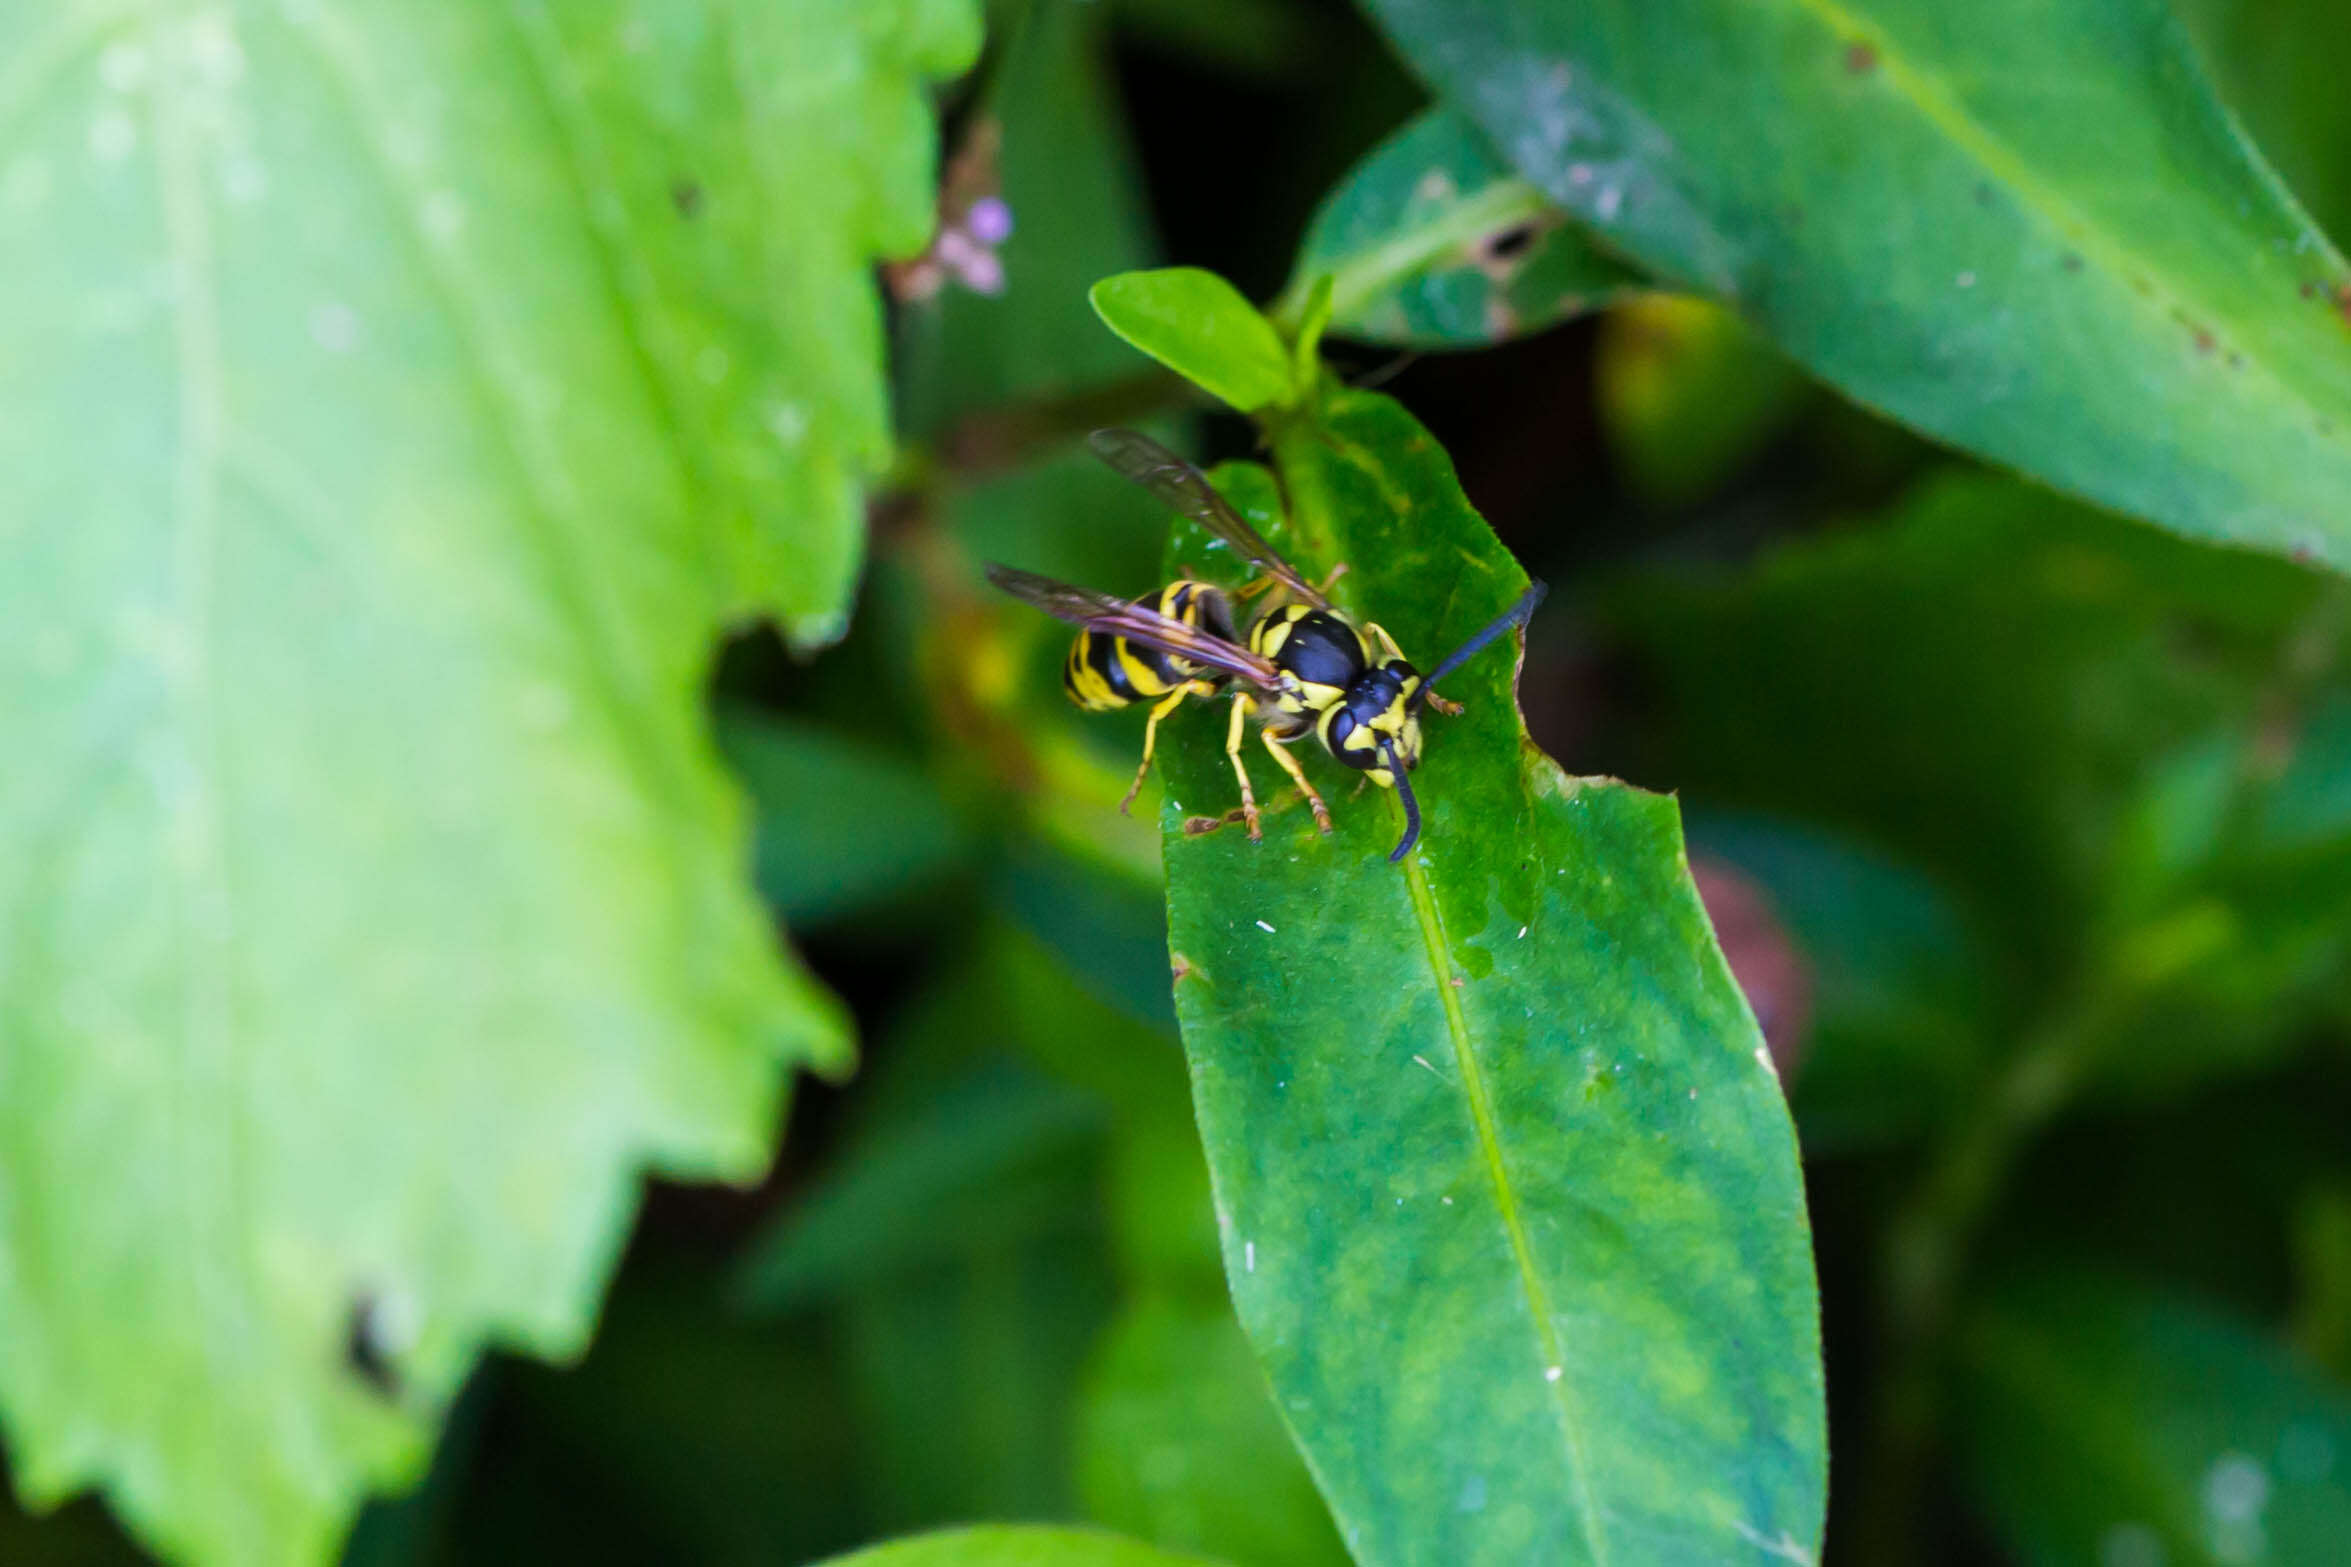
989,221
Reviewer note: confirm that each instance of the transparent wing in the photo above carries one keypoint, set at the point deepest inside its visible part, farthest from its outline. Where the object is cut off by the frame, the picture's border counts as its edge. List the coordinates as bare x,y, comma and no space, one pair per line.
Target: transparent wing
1186,489
1136,622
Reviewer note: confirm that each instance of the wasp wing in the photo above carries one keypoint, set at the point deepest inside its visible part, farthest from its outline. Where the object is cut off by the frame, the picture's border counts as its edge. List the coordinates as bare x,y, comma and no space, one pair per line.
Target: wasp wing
1186,489
1135,622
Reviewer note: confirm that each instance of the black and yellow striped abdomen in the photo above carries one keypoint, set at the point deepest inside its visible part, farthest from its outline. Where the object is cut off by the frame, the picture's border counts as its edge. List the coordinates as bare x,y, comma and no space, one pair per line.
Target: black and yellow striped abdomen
1105,671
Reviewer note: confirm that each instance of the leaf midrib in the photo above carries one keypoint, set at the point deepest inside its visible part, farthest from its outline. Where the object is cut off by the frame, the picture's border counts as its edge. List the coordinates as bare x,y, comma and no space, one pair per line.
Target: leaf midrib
1489,1136
1362,274
214,1190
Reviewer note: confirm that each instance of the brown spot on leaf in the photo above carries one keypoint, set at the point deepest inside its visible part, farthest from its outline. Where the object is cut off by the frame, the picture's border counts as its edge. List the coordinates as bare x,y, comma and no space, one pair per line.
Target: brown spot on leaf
2204,342
2073,263
686,196
1180,966
1861,58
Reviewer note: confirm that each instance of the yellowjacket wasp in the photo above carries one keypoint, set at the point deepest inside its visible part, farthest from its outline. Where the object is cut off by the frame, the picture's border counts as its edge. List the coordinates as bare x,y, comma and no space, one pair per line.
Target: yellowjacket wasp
1303,668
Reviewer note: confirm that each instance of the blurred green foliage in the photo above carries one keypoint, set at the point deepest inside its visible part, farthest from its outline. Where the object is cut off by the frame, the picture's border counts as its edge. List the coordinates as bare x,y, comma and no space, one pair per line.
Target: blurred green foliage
2027,826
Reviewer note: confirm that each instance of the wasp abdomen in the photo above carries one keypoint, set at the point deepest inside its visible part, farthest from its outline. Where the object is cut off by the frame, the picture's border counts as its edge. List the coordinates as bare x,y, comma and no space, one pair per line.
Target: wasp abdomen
1105,671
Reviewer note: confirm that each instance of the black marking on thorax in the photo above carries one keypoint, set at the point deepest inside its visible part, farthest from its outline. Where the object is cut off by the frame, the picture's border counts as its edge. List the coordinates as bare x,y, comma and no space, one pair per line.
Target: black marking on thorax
1323,650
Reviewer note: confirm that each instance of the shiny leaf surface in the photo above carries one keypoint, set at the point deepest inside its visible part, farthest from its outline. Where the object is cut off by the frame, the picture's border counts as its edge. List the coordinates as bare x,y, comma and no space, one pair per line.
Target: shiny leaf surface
2027,229
1507,1191
1200,326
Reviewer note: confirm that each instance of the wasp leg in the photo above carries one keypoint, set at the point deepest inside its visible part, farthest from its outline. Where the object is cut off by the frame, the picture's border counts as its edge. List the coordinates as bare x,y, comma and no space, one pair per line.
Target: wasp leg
1168,704
1250,589
1449,709
1322,814
1232,748
1331,581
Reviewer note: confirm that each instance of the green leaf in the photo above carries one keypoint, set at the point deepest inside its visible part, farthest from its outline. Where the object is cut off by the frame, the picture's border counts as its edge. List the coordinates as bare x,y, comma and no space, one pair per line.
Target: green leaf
2106,1422
1201,327
1919,203
1014,1546
1508,1195
1432,242
2280,66
2156,736
1178,1442
991,1158
402,400
843,827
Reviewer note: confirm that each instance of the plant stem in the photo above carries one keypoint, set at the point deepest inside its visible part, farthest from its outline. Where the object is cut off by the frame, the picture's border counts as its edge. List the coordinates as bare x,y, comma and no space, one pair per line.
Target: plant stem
1926,1259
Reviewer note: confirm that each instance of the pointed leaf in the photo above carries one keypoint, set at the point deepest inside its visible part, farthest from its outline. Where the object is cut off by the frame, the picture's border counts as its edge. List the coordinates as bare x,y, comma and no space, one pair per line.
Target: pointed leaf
1201,327
1508,1193
2025,228
401,401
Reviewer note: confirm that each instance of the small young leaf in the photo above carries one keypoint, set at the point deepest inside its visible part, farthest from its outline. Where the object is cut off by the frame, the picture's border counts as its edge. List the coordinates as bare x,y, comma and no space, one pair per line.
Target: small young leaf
1433,242
1200,326
2025,227
1507,1190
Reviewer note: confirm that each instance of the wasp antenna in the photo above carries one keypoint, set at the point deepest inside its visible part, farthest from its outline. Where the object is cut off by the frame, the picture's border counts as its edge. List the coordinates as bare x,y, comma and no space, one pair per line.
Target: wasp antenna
1516,615
1411,806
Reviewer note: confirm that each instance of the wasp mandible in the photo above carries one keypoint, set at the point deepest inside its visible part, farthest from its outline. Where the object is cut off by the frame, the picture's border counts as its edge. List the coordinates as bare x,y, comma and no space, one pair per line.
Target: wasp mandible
1303,668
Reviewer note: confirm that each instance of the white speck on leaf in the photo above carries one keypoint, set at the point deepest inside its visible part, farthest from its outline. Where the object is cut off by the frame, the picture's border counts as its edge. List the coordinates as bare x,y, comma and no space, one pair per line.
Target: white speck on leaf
1424,1061
213,49
2236,1488
1763,1060
334,326
1249,1256
1268,929
112,136
1554,1373
1610,200
244,181
444,215
1966,280
788,423
123,66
